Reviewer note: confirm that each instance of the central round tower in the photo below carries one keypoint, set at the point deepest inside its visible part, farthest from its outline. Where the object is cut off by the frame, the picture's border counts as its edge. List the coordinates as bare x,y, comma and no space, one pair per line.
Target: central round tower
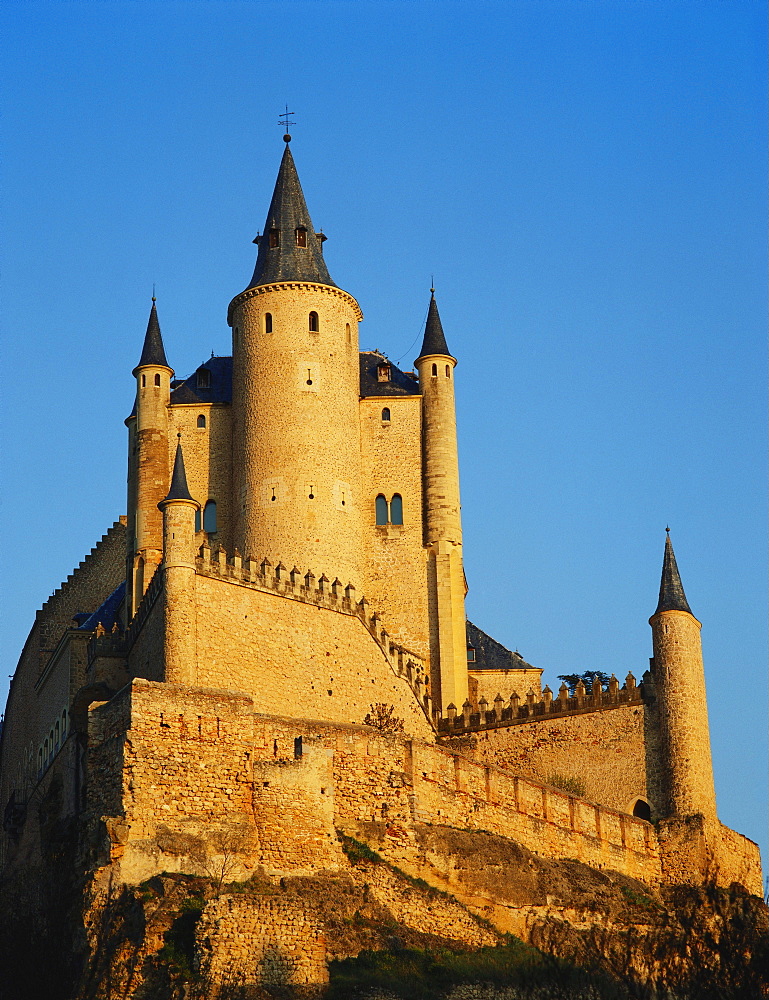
296,434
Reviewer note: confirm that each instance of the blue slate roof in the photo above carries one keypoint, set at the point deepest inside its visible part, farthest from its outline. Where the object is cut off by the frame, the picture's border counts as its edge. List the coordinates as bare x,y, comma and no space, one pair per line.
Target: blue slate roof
219,390
106,614
399,384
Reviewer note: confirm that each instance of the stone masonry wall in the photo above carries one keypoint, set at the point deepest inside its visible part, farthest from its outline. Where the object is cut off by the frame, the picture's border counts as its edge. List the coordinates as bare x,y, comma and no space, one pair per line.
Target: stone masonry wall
295,659
271,941
396,561
32,709
207,460
612,752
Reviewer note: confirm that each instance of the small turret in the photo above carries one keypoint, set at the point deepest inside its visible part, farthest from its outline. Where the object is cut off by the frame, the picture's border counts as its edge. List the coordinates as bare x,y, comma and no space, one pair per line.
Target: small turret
443,524
179,509
679,679
148,461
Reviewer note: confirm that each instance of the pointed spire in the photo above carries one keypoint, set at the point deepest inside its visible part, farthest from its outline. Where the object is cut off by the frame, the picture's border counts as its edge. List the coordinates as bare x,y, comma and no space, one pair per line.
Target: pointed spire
434,340
178,489
289,249
153,352
672,596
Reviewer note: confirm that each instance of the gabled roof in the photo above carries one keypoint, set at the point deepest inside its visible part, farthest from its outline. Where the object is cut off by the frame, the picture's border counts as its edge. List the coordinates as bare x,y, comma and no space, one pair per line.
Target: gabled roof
672,596
220,384
492,655
399,384
434,341
153,352
280,258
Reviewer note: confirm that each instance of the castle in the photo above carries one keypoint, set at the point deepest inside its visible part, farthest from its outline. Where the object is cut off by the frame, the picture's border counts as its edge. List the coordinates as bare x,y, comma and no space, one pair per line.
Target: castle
273,641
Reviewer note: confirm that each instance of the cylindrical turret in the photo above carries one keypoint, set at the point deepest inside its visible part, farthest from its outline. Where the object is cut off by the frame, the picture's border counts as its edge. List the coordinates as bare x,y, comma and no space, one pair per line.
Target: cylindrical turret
148,462
679,678
296,423
443,525
179,625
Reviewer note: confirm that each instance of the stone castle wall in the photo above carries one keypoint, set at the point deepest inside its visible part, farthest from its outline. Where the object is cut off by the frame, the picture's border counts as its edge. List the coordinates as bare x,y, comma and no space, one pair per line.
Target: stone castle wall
612,752
198,765
207,460
296,659
49,671
395,559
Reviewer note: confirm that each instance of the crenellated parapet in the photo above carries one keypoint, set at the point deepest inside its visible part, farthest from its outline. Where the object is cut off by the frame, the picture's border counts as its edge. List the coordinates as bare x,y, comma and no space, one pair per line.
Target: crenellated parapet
517,711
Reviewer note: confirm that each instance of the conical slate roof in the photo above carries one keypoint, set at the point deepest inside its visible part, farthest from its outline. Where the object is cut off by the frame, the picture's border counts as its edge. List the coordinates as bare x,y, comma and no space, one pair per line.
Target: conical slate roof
178,489
434,340
672,596
153,352
288,224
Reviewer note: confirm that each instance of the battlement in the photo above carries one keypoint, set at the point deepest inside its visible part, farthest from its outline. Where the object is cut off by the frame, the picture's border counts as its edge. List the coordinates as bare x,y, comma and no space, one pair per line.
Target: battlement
517,712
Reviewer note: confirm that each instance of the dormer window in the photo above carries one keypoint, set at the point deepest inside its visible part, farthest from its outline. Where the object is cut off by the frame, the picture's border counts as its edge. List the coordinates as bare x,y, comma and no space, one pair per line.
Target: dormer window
301,237
383,373
470,654
274,238
204,378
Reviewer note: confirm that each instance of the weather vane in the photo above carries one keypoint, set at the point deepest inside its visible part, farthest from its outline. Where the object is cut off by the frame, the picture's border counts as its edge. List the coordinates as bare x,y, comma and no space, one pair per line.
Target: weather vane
285,121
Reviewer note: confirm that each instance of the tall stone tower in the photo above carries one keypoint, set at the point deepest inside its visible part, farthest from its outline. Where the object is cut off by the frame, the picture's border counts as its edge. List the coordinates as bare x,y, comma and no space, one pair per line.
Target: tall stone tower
679,678
443,523
147,462
296,430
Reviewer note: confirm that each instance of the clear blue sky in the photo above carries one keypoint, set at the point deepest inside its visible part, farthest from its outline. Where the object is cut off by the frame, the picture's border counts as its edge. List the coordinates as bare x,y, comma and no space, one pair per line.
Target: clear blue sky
586,182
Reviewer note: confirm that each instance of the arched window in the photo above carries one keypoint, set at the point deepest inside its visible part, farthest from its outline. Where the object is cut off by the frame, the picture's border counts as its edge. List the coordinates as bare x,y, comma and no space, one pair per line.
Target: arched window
274,238
386,414
382,513
157,380
209,516
642,810
301,237
45,752
396,509
448,371
201,421
268,322
314,327
57,734
197,520
63,725
435,370
40,759
348,333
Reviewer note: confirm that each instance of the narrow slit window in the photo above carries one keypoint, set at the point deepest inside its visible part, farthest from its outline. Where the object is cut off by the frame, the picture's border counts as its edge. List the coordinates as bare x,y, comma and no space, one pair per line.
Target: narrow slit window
144,381
348,333
198,522
448,371
386,415
396,509
268,322
435,370
209,516
58,735
314,326
63,725
301,237
201,421
382,513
